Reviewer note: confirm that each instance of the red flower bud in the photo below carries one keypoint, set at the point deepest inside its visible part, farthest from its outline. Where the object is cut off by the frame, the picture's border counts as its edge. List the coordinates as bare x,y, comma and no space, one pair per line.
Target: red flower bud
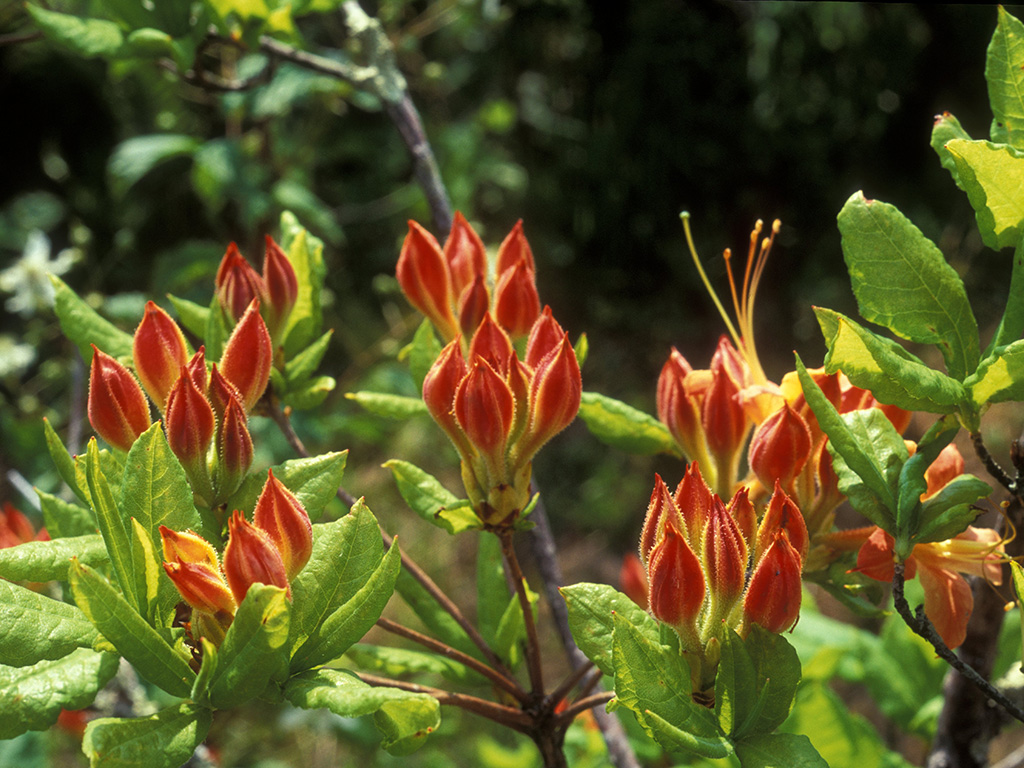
514,248
158,351
439,387
466,257
516,303
422,273
660,508
188,547
676,583
545,336
779,448
201,587
284,519
251,558
725,557
237,283
220,392
196,368
118,410
633,580
492,344
773,597
694,500
679,409
190,425
473,304
744,514
282,287
248,357
722,416
234,449
484,408
782,515
554,396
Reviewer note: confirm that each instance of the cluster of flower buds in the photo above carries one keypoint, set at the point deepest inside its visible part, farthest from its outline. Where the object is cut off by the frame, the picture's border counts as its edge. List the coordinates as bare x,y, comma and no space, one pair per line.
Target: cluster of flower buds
499,410
450,286
205,413
272,549
710,566
237,284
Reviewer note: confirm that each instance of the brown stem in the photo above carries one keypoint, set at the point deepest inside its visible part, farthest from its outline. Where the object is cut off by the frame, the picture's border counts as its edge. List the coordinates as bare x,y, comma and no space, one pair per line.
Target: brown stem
407,120
499,713
991,465
570,682
507,684
569,714
533,664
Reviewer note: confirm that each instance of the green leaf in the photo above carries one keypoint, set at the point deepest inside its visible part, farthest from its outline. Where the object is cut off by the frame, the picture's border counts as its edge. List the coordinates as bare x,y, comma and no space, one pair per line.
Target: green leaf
50,560
63,519
353,619
1000,377
889,372
387,405
492,591
854,457
591,609
423,351
778,750
402,662
255,649
430,500
164,740
777,674
902,281
624,427
217,331
306,254
314,481
32,698
1017,576
111,522
36,628
134,158
148,581
511,629
86,37
129,633
83,326
1006,80
951,510
945,129
992,175
63,461
200,693
310,394
735,685
1011,324
407,715
191,316
302,366
912,482
652,679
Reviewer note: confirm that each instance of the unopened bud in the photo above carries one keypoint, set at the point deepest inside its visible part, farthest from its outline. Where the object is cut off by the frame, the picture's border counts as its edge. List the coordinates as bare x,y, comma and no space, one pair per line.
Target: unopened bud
473,306
773,597
513,249
158,352
201,587
234,449
423,275
675,581
282,288
555,396
516,303
484,408
545,336
284,519
251,558
779,448
237,283
466,257
248,357
117,409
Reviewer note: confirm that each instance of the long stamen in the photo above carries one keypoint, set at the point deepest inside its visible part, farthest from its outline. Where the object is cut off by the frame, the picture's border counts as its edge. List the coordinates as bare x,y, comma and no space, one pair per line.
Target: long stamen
685,216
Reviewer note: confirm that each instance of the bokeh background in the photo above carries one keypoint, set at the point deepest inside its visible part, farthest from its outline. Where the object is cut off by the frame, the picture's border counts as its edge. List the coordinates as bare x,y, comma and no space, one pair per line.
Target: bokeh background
594,122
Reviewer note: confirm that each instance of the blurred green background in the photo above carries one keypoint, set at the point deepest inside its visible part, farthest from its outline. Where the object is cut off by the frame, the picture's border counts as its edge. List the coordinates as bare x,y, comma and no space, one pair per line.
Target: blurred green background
594,122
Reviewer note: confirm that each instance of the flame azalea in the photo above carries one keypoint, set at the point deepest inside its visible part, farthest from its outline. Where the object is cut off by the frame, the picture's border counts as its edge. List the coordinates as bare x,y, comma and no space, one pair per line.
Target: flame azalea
947,595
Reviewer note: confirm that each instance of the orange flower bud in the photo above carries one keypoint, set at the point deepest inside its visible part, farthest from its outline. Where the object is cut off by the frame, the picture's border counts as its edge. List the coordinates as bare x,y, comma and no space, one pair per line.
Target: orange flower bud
196,368
190,425
676,583
237,283
220,392
514,248
678,409
516,303
234,449
282,287
660,508
251,558
248,357
158,351
773,597
439,387
780,447
633,580
744,514
118,410
201,587
484,408
466,257
545,336
473,304
725,558
188,547
694,500
722,416
782,515
492,344
284,519
518,380
423,275
554,396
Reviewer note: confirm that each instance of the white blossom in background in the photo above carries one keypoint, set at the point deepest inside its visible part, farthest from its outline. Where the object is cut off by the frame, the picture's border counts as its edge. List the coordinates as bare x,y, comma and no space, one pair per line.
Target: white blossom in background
28,278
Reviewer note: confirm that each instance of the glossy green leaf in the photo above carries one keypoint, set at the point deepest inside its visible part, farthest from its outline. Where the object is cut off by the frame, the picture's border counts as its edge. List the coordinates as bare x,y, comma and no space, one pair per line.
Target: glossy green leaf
423,351
149,578
1011,324
778,750
777,674
191,316
306,254
84,326
952,509
353,619
63,519
305,363
1000,377
31,698
255,649
430,500
945,129
992,175
736,692
111,522
511,630
86,37
133,158
402,662
201,685
387,405
889,372
62,461
310,394
36,628
164,740
438,621
147,43
314,481
1017,579
407,715
217,331
129,633
1006,80
624,427
902,281
591,608
912,482
652,679
50,560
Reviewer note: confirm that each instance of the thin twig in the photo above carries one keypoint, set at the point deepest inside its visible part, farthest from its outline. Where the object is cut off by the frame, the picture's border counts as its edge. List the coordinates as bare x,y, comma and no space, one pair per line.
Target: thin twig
533,664
566,716
997,472
500,713
407,120
570,682
282,417
920,624
507,684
